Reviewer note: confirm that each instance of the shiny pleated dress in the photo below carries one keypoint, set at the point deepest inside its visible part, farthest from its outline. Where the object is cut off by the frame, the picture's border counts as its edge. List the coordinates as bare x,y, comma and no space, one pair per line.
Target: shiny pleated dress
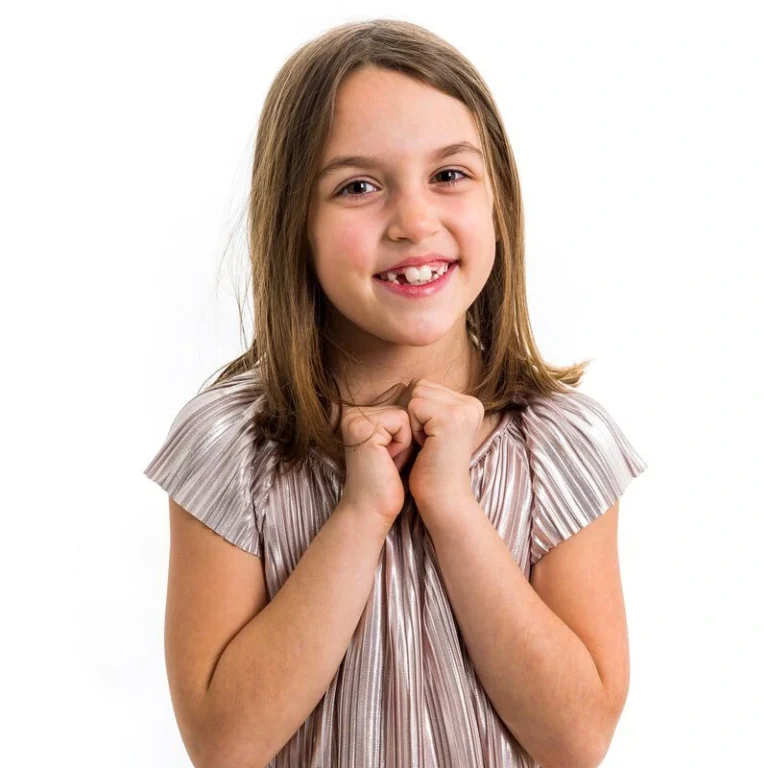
406,693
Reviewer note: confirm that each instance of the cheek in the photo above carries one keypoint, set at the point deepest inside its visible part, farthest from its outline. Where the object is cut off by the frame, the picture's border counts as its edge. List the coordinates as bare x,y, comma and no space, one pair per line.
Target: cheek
352,249
478,237
477,223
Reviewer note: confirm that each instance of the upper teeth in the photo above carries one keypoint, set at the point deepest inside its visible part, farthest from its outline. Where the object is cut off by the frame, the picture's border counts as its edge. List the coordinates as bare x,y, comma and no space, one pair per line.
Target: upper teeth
418,274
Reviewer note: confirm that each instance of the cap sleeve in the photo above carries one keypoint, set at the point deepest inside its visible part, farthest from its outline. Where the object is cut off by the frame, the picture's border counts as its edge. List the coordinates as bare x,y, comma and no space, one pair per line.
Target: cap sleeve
580,462
210,463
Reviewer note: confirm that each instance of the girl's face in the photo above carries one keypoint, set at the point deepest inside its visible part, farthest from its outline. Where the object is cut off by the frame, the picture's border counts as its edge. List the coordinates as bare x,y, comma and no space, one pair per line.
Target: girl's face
364,219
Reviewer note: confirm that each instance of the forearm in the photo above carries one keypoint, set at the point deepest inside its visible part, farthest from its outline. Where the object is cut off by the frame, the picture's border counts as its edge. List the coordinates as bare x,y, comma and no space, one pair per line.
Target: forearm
278,667
537,672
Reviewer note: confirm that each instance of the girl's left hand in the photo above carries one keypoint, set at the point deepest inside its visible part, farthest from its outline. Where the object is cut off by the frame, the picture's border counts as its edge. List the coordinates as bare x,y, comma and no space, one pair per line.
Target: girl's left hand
446,424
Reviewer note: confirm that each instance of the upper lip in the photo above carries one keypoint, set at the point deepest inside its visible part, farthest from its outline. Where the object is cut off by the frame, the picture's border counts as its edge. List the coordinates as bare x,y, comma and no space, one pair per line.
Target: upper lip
418,261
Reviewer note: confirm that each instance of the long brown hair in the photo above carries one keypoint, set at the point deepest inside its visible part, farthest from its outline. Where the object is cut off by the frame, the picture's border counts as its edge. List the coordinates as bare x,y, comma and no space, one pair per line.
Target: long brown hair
291,339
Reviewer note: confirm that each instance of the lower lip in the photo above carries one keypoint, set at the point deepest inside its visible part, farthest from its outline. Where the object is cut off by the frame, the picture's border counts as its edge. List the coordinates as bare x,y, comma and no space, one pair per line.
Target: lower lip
417,291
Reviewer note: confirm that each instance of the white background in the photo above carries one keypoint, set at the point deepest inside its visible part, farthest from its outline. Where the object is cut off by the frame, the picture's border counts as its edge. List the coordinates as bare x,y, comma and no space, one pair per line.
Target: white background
639,131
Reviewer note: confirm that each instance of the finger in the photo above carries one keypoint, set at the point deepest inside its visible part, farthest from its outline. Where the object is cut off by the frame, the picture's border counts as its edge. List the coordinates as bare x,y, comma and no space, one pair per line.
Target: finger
417,427
397,425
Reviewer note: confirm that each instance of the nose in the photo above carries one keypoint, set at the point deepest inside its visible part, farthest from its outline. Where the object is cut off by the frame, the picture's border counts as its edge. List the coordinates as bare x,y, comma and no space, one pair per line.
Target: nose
414,217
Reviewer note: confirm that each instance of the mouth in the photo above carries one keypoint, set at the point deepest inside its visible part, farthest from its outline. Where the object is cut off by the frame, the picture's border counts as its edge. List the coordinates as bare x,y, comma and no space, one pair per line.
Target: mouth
420,287
416,275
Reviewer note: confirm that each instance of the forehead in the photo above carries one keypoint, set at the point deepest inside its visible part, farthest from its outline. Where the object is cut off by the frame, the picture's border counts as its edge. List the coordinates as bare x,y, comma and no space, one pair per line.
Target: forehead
394,116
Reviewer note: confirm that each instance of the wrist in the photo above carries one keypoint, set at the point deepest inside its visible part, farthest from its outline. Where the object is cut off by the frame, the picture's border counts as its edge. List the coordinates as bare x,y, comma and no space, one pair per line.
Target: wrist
445,511
366,520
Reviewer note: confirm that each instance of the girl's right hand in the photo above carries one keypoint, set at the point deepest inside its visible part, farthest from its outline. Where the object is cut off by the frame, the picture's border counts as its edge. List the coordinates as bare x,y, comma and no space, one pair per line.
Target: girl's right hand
383,440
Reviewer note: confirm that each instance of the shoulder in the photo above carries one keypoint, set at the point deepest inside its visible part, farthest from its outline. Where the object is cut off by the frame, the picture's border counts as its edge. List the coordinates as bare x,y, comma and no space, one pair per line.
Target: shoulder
217,425
580,460
571,419
214,462
234,399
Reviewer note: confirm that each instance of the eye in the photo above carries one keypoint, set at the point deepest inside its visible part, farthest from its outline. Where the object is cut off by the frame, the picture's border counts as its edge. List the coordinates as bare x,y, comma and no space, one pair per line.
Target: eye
363,181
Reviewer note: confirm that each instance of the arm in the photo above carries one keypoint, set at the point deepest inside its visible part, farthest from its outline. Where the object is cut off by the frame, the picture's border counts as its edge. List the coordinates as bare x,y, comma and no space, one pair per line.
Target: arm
541,678
277,667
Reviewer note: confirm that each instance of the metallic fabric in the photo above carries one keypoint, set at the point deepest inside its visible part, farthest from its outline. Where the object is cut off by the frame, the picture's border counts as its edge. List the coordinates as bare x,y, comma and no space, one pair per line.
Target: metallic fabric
406,693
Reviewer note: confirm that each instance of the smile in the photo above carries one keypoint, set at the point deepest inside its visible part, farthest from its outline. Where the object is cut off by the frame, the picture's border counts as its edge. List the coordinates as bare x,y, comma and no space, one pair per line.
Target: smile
418,290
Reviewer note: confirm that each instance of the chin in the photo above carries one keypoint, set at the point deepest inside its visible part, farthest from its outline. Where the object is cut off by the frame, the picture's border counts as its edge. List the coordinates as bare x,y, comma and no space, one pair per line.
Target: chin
413,338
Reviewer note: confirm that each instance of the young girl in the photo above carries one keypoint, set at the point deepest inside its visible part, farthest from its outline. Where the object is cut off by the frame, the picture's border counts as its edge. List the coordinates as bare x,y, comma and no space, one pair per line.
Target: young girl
373,510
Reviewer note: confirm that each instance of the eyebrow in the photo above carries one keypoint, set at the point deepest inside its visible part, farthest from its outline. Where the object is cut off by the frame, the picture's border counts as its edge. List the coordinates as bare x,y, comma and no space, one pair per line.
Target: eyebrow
369,163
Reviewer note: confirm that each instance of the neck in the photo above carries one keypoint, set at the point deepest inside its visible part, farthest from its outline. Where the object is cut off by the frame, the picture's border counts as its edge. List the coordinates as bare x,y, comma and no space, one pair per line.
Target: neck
366,366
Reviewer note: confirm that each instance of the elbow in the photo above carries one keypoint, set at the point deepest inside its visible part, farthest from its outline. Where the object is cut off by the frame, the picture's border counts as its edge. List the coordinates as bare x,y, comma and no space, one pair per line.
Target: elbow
229,760
586,753
250,763
583,759
593,758
217,749
583,746
572,761
589,751
229,757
